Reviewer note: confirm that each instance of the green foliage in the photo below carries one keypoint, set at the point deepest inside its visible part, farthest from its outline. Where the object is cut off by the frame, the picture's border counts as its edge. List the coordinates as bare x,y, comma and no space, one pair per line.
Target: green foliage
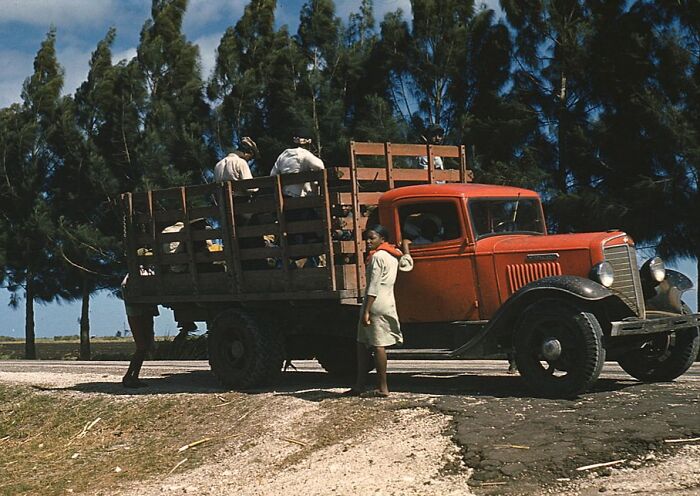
173,149
539,97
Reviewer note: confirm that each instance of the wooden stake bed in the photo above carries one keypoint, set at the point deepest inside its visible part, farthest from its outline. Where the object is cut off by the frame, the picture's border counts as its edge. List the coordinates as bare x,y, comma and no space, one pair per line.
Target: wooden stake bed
218,243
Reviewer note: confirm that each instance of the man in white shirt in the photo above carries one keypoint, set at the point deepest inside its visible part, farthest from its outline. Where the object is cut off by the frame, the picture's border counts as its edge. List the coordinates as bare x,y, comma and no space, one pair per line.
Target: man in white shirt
234,166
296,160
434,136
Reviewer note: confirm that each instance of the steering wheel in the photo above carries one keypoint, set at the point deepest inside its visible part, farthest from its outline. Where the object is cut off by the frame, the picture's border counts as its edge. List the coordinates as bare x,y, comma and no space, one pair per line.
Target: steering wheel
504,226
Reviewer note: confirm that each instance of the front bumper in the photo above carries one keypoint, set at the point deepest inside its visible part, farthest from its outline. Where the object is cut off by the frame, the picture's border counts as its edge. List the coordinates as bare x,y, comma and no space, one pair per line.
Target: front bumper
665,323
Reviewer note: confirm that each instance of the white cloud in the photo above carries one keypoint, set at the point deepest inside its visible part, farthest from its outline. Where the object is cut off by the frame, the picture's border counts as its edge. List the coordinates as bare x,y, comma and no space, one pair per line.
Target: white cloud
76,64
127,55
207,52
201,13
61,13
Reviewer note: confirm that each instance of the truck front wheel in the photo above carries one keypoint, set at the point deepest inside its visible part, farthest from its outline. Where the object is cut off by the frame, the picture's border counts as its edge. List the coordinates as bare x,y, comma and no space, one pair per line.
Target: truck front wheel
664,357
558,348
244,352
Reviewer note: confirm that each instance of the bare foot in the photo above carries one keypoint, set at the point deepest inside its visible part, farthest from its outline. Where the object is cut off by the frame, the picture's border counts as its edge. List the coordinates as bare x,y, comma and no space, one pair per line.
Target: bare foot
375,393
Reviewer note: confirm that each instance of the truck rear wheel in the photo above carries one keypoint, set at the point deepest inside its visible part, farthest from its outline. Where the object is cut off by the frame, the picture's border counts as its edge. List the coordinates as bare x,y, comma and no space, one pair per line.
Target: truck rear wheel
244,352
664,357
558,348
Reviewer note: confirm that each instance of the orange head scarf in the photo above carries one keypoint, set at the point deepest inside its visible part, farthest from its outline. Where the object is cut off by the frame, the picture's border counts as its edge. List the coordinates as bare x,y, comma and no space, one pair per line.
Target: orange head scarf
387,247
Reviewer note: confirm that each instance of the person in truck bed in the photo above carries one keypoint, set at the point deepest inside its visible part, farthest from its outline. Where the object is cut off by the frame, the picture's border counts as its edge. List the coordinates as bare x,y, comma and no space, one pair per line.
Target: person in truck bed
294,161
434,135
235,167
379,323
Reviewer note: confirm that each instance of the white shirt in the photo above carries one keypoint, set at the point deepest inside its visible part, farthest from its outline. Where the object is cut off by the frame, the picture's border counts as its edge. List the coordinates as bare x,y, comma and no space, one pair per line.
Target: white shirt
423,162
233,168
294,161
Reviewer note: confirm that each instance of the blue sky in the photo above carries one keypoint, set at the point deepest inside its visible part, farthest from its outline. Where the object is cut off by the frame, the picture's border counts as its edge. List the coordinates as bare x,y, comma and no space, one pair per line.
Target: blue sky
80,24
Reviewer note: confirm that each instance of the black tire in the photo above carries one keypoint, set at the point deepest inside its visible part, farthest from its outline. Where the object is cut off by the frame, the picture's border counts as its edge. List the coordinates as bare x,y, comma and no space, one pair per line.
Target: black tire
664,357
244,352
580,340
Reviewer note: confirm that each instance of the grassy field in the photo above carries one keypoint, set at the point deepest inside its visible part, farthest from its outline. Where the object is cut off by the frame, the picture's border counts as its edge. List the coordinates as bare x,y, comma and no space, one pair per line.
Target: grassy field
106,349
53,444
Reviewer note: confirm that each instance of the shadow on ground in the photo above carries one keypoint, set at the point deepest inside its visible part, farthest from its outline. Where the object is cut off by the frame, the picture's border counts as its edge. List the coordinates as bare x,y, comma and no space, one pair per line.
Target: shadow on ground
313,386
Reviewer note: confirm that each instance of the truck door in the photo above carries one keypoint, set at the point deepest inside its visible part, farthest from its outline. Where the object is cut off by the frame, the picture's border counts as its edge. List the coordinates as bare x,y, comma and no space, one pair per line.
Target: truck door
441,287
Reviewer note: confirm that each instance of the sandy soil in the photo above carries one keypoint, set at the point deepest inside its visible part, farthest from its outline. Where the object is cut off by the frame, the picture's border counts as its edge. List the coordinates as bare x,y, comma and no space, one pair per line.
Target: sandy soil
308,440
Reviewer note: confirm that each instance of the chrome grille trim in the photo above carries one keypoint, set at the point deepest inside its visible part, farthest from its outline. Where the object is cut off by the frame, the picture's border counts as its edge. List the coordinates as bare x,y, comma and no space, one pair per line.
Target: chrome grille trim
627,284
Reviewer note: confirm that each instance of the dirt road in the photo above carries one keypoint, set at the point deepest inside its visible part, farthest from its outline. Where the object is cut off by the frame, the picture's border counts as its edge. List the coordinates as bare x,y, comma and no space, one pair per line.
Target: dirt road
452,427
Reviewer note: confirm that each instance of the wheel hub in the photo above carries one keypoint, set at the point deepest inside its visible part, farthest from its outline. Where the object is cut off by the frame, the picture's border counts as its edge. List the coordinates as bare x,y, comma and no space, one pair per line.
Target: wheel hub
237,350
551,349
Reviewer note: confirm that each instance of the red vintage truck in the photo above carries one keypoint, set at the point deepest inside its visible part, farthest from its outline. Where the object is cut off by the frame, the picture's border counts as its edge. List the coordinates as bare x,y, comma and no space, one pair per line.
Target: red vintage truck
488,279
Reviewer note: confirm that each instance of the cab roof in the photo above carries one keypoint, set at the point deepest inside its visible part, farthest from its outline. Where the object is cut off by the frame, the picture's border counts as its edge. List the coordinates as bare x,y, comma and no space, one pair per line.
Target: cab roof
471,190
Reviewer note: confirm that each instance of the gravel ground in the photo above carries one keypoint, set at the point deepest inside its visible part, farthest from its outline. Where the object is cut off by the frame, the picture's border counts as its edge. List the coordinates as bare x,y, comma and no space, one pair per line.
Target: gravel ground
467,430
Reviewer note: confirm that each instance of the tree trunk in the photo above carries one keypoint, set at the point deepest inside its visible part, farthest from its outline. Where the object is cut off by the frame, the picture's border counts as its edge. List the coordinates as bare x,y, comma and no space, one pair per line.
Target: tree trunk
85,322
29,345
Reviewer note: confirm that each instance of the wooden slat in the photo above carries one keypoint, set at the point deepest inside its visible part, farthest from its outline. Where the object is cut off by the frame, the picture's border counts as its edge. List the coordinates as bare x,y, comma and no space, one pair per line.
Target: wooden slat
311,201
232,238
182,258
327,242
404,150
305,250
362,198
187,229
300,279
280,206
227,237
197,212
345,247
359,269
431,163
389,165
379,174
258,230
260,253
130,241
157,248
260,205
306,226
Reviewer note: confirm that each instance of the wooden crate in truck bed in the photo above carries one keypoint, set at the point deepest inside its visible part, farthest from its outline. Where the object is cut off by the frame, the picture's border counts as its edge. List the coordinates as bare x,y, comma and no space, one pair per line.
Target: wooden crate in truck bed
221,243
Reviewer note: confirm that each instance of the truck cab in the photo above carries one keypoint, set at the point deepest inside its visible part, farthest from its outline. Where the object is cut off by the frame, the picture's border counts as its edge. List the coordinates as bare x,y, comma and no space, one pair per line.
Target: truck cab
561,304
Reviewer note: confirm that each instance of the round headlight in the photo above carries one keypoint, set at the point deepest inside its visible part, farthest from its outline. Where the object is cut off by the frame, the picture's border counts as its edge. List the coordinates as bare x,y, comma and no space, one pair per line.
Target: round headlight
603,273
657,269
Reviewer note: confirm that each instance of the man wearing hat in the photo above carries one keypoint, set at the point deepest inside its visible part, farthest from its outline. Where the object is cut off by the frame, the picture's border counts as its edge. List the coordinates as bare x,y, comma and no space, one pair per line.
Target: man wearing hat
234,166
296,160
434,135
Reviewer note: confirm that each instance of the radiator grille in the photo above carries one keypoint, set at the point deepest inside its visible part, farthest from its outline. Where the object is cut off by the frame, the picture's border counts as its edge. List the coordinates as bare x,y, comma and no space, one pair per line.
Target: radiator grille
627,284
521,274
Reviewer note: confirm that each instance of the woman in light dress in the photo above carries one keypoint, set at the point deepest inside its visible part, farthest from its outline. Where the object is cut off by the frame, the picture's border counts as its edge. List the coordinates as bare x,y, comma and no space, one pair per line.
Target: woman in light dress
379,323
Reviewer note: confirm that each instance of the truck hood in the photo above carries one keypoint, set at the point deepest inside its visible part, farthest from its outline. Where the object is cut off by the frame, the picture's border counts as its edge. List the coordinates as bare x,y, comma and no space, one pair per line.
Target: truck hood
527,243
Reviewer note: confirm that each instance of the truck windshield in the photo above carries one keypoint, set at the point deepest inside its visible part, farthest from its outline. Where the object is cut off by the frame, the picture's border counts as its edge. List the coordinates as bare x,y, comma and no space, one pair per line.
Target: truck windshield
494,216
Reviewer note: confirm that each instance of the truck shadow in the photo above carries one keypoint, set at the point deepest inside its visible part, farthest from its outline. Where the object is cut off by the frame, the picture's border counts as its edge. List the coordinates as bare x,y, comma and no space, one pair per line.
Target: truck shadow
319,386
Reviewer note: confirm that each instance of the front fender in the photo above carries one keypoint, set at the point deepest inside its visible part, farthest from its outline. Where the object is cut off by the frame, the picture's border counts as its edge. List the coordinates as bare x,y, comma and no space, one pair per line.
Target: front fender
565,287
667,295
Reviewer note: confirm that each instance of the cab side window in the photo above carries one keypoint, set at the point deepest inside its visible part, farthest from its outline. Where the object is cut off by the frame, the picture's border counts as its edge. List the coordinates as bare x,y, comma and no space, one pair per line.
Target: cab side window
430,222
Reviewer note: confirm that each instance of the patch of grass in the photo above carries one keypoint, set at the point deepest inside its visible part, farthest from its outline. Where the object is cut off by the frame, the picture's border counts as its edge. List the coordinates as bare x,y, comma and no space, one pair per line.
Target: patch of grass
194,348
51,442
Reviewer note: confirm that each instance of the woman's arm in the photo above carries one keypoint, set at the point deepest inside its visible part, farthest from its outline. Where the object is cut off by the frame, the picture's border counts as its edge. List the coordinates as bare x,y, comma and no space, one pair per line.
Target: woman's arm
365,316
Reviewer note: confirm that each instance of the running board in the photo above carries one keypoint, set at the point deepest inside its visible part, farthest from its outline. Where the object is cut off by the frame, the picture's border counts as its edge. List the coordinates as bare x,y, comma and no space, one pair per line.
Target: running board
419,354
